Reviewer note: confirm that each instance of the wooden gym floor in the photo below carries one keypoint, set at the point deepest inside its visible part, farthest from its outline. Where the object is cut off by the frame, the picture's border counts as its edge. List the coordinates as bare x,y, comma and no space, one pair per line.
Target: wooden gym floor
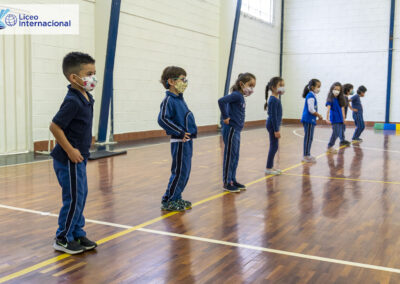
337,221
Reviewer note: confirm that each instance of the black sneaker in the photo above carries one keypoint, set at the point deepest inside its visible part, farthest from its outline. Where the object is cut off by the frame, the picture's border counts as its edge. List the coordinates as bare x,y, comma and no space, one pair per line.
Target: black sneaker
231,188
185,203
72,247
86,243
345,143
172,206
242,187
357,140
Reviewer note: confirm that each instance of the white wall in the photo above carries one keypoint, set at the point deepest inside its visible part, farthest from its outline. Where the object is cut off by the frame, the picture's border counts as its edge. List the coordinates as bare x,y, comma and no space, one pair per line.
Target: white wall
257,52
154,34
336,40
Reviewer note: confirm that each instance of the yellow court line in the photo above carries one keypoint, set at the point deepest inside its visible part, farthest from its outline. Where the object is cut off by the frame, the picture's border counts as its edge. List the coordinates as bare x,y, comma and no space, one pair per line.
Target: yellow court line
66,270
127,231
340,178
58,265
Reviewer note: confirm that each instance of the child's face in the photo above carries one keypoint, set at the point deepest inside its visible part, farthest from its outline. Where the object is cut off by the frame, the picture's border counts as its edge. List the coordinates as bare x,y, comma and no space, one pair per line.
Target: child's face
362,94
251,84
349,93
87,70
316,88
178,85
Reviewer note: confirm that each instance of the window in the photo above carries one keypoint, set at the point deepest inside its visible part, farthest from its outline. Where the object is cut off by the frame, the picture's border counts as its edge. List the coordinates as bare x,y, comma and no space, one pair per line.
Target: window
259,9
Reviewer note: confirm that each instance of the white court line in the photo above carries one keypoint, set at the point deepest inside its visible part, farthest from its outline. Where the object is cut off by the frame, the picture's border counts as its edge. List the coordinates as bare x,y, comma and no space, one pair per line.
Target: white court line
213,241
367,148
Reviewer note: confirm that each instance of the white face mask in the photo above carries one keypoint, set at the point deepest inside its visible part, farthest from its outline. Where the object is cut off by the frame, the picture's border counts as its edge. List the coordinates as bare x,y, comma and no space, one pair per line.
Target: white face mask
281,90
89,82
247,91
335,93
316,91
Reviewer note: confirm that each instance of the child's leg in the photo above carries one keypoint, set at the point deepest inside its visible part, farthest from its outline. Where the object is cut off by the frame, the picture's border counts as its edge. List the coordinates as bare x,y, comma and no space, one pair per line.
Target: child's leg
362,124
236,147
82,183
341,132
308,133
273,147
73,194
180,170
356,122
228,135
186,166
335,134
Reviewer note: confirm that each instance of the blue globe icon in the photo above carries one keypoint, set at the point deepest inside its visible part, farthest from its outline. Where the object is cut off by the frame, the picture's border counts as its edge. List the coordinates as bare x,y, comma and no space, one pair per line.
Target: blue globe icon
11,20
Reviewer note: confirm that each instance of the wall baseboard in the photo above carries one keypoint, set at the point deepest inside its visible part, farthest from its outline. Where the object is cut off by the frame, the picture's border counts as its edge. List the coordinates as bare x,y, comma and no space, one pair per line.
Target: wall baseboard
133,136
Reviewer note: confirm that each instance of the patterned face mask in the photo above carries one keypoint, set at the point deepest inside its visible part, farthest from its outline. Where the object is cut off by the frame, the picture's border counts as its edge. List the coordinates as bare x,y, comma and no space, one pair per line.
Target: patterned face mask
89,82
247,91
181,86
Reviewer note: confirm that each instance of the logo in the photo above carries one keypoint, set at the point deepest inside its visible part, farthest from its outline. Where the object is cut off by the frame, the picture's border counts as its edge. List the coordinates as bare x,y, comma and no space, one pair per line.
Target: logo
11,20
2,14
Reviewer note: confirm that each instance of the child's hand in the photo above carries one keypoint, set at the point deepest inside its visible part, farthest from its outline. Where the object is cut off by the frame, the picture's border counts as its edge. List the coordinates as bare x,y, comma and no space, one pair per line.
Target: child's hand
277,135
320,117
328,121
355,110
226,121
187,137
75,156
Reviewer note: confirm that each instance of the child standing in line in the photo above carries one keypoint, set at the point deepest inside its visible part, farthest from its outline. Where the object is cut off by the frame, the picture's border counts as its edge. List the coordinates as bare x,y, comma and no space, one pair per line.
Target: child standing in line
334,115
233,108
72,128
309,117
347,91
358,113
273,106
178,121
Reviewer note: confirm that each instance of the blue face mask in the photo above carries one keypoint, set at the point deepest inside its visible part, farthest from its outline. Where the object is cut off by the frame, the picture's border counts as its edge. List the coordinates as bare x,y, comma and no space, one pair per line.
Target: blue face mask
351,93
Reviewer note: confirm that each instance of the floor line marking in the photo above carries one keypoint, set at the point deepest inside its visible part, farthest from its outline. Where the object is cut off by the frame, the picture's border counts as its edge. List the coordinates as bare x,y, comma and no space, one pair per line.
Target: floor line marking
129,230
340,178
58,265
275,251
66,270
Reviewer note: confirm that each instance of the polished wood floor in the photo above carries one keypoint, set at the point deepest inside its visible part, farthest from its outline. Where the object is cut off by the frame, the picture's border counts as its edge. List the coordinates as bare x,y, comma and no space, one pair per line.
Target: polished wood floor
337,221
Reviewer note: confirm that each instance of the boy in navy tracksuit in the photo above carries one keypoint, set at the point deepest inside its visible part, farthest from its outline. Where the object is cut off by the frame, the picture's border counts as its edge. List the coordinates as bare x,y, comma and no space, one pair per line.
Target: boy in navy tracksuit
347,91
358,113
72,128
309,117
335,104
178,121
233,108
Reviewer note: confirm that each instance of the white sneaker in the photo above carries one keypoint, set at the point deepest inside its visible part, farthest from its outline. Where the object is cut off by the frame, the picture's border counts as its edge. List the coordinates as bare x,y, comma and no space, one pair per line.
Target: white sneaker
271,172
332,150
309,159
277,170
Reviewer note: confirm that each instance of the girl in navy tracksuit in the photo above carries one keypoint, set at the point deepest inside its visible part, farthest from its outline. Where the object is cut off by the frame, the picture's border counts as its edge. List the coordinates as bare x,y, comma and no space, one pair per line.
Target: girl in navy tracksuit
274,108
178,121
335,104
233,108
309,117
358,113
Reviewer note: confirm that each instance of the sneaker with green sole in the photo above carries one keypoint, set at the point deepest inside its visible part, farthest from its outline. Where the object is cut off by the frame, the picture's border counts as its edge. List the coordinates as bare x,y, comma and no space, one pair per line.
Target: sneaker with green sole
172,206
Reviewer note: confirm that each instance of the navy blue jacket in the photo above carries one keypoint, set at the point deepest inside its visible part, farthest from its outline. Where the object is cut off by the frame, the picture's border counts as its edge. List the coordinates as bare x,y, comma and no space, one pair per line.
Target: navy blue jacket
234,107
356,103
274,113
75,118
175,117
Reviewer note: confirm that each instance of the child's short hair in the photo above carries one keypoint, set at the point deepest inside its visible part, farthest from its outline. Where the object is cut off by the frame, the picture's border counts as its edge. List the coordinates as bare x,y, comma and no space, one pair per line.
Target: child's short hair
347,88
361,89
171,72
72,62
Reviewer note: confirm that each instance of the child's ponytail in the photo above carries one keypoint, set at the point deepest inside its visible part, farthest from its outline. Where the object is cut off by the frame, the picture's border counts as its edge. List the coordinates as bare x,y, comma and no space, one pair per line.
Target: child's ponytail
266,95
307,88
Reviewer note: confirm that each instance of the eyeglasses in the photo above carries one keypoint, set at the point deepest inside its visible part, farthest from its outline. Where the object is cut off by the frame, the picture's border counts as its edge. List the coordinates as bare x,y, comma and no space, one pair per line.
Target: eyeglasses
184,80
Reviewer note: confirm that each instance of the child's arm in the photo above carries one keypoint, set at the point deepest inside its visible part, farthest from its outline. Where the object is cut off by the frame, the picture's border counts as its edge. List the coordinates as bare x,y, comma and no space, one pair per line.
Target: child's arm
327,114
343,114
223,105
311,108
351,105
73,154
